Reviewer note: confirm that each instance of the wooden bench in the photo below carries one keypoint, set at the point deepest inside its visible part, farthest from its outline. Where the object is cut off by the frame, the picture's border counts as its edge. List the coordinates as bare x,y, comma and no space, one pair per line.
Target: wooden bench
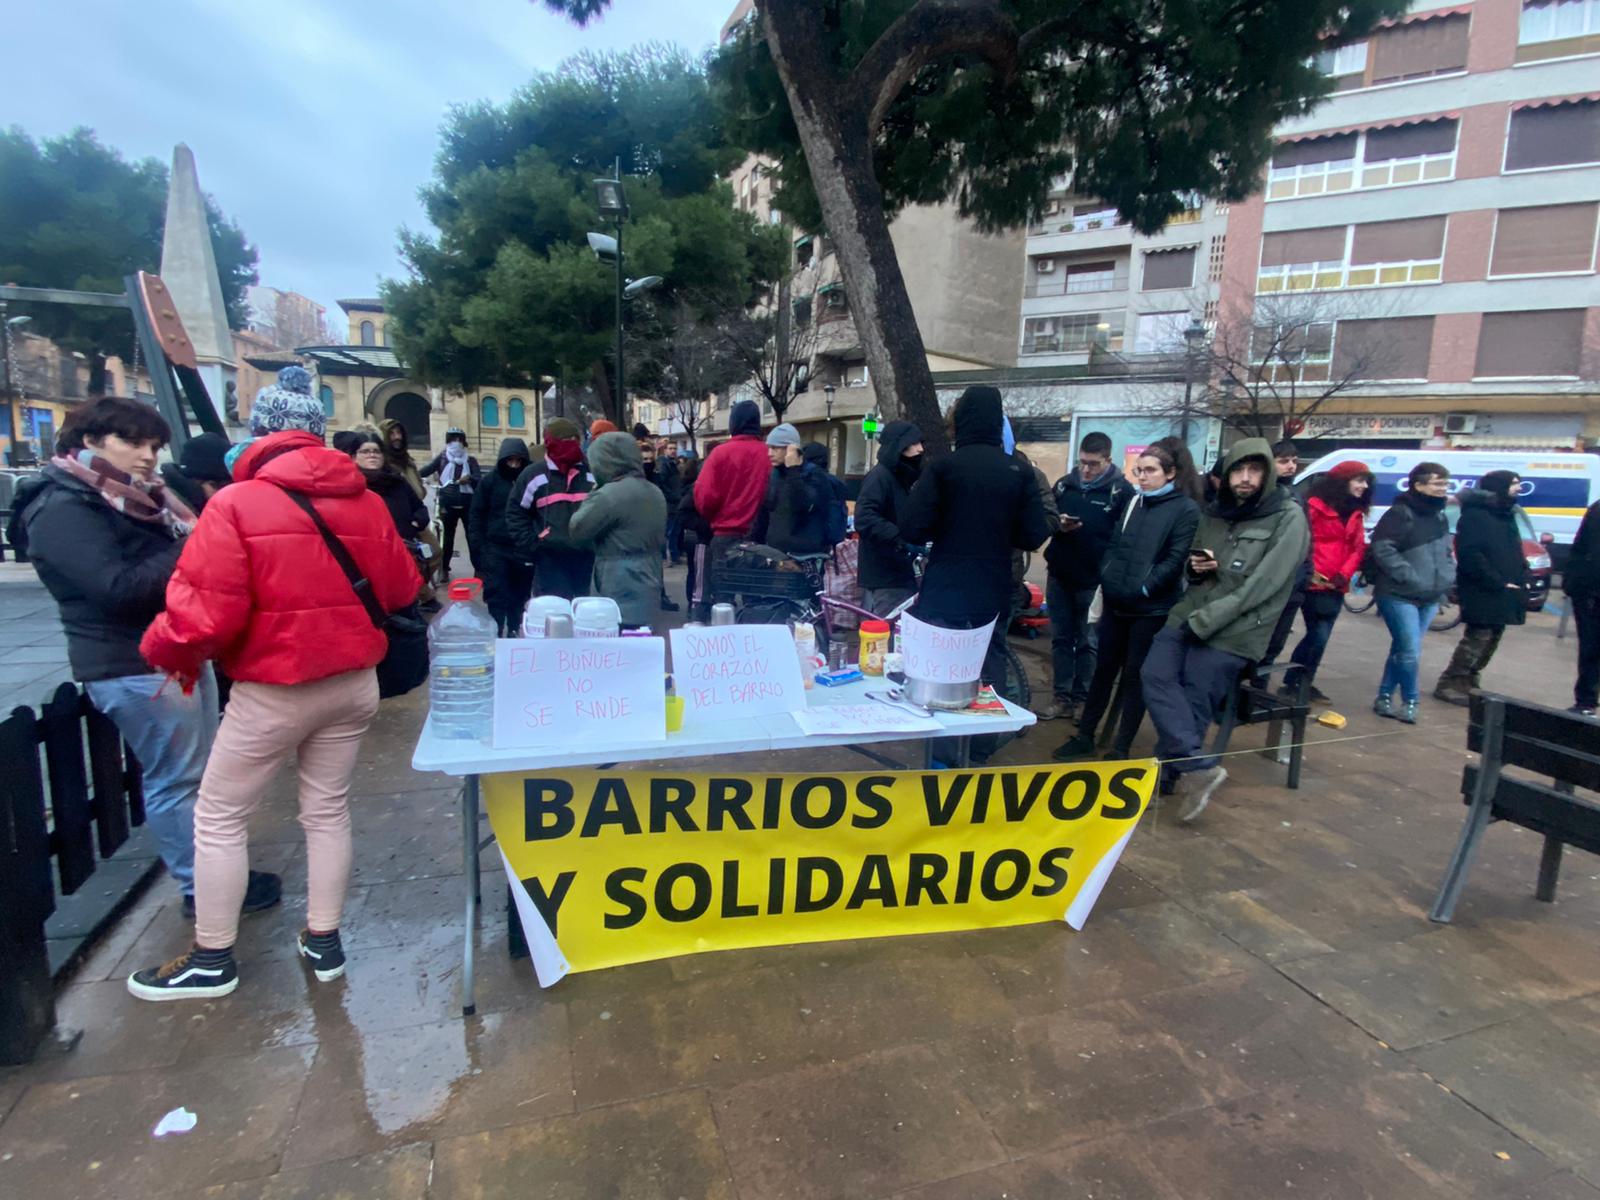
1561,746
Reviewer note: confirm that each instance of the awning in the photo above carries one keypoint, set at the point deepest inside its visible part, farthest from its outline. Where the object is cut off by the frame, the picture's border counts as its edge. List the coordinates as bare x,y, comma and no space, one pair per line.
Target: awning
1555,101
1490,441
1431,14
1372,127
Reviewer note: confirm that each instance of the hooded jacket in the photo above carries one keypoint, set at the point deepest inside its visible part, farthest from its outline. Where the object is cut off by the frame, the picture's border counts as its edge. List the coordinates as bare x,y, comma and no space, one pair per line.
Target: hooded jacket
1074,558
487,521
108,572
1338,544
1582,574
733,484
1411,556
256,587
796,510
815,454
539,511
1488,558
1142,572
1259,545
401,459
406,509
625,522
886,556
202,461
975,505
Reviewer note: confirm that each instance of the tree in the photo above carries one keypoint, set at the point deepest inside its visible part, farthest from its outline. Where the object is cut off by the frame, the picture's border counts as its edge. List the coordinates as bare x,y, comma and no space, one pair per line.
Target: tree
772,346
987,102
75,214
509,290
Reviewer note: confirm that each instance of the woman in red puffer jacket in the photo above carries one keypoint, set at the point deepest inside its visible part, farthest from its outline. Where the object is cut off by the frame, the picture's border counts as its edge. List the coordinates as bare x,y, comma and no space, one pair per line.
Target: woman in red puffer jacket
258,589
1337,510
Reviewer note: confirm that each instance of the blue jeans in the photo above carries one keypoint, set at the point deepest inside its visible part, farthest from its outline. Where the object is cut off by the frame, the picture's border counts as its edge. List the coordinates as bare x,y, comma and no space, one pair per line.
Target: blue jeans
170,734
1307,656
1073,640
1407,622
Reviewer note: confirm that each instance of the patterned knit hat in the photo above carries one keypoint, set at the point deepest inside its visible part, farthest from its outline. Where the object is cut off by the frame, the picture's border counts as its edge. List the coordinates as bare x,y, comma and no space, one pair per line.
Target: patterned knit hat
287,404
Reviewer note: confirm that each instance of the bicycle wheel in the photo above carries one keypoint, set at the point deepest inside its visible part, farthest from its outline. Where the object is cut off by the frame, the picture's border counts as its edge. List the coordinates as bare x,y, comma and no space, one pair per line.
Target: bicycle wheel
1361,595
1015,686
1448,616
772,610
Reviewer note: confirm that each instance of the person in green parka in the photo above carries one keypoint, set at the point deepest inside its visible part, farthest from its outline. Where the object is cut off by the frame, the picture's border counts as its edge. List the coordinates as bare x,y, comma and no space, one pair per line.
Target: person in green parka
624,519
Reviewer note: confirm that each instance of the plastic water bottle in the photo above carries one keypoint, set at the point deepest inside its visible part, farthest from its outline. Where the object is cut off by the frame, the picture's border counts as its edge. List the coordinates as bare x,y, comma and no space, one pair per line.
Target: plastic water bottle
461,671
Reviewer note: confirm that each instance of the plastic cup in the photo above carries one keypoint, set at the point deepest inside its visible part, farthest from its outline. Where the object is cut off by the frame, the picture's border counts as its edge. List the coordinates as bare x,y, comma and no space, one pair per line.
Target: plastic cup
674,713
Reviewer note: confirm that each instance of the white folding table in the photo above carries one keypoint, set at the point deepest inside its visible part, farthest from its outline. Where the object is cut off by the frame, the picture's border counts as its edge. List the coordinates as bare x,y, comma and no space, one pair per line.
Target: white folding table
469,760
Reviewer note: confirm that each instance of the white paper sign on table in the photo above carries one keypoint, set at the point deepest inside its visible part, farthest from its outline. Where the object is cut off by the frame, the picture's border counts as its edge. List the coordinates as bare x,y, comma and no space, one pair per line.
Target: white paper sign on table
723,671
579,691
843,720
943,655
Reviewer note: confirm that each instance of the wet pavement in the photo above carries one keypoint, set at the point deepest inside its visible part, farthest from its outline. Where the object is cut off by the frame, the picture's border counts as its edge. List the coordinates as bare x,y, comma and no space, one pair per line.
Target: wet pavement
1258,1007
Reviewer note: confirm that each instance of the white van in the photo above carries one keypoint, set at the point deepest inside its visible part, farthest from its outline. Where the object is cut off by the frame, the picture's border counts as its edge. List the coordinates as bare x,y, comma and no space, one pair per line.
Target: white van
1556,488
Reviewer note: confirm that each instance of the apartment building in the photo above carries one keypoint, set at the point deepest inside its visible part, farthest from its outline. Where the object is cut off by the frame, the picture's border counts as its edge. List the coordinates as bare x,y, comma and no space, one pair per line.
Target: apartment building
1440,211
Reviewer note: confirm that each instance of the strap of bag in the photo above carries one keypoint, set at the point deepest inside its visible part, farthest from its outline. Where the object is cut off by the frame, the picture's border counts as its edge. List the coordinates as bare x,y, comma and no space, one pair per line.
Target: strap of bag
341,555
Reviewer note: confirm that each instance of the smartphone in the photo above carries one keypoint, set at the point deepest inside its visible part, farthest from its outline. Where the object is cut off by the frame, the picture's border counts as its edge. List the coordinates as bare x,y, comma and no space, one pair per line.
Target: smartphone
1206,554
1068,524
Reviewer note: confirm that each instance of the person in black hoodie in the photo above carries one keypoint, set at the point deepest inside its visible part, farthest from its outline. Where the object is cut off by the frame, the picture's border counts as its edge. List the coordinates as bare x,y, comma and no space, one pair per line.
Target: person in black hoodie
885,571
506,572
796,505
1141,579
1491,573
1582,581
837,510
696,539
974,505
201,470
1091,501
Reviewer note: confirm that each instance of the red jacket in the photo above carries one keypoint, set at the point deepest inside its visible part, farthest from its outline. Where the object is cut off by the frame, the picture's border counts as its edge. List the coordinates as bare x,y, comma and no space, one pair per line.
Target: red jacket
733,484
257,589
1337,544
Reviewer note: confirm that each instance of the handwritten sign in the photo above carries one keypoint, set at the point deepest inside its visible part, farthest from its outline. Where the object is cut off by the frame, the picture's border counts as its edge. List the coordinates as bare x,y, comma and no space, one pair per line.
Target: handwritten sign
845,720
567,692
941,655
724,671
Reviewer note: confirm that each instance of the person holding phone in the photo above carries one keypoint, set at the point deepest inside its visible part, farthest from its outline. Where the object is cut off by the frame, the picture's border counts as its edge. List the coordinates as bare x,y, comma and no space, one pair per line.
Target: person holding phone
796,507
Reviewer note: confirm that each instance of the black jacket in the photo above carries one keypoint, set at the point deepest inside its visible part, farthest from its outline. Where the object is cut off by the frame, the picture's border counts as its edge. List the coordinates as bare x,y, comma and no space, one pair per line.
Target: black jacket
1142,572
796,510
1582,574
975,505
1410,556
107,572
1488,557
409,514
886,556
1074,558
664,473
453,497
488,519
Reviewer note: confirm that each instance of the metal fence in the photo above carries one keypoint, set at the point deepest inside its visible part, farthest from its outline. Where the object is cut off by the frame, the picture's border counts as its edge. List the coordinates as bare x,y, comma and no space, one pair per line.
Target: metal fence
62,812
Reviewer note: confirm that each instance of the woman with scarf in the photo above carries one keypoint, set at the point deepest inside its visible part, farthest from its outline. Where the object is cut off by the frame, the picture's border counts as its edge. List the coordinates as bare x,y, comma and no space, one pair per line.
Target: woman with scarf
1491,579
365,448
1337,510
539,513
105,535
1411,569
458,474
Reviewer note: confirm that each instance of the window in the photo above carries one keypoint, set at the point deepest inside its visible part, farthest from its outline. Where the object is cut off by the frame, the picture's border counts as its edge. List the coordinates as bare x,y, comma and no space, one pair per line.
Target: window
1166,269
802,312
1558,29
1518,345
1394,348
1546,239
516,418
1380,254
804,251
1292,350
855,375
1419,49
1075,278
1293,261
368,334
834,301
1160,332
1558,134
1073,334
1415,152
1345,65
489,412
1313,166
325,394
1095,214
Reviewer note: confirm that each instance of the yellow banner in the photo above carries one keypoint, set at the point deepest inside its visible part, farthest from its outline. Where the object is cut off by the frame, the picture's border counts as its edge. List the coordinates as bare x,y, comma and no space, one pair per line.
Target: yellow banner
612,867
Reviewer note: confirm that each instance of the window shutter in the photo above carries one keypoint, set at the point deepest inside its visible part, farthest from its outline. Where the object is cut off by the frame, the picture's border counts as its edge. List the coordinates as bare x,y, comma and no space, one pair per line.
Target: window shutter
1398,241
1168,269
1303,246
1406,141
1315,150
1548,237
1397,348
1555,135
1544,342
1418,48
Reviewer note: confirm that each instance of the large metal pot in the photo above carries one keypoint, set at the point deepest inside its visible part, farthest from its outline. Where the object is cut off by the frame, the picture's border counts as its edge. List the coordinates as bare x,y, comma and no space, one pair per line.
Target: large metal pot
950,697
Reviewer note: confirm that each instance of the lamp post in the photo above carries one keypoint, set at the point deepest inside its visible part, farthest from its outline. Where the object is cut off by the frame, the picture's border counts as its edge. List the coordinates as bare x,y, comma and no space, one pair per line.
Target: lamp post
828,390
613,203
7,324
1193,336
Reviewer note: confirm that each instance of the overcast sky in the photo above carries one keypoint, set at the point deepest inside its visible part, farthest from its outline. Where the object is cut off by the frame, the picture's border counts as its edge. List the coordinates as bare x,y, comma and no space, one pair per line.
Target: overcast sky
313,122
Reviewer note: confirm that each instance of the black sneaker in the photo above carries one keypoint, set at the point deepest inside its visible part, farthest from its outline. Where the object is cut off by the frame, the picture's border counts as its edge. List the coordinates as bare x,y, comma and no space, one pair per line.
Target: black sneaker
1582,710
1079,746
323,953
262,892
197,975
669,605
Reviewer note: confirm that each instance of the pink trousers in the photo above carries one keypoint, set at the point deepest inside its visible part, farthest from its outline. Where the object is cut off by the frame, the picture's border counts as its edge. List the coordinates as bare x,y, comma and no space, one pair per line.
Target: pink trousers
322,724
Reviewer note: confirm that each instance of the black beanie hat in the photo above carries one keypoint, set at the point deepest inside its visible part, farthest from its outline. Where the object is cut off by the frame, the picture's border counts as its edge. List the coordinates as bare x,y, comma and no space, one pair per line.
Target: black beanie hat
202,458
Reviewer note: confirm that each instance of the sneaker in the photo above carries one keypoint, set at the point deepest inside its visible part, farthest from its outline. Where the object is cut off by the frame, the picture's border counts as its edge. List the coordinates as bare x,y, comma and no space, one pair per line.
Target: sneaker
1058,710
1197,787
324,954
1582,710
669,605
1384,706
1408,713
262,892
1080,746
197,975
1316,694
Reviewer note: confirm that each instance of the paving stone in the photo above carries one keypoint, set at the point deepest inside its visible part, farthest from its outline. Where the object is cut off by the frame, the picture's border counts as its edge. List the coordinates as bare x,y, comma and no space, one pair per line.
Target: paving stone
399,1174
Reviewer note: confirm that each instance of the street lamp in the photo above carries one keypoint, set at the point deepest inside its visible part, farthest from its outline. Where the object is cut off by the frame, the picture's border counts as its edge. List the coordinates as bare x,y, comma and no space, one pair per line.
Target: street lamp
1193,337
827,398
613,205
10,323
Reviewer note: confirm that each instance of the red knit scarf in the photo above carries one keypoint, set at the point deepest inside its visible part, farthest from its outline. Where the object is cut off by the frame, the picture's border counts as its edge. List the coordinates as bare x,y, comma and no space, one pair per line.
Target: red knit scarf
140,499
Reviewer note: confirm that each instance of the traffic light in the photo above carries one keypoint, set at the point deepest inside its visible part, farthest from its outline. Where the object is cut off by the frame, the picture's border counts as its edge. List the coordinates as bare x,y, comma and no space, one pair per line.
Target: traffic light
870,425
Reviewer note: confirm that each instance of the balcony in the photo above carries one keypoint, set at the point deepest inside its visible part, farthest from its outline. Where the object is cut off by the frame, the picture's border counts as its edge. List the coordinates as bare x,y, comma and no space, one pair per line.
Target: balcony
1061,283
1333,276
